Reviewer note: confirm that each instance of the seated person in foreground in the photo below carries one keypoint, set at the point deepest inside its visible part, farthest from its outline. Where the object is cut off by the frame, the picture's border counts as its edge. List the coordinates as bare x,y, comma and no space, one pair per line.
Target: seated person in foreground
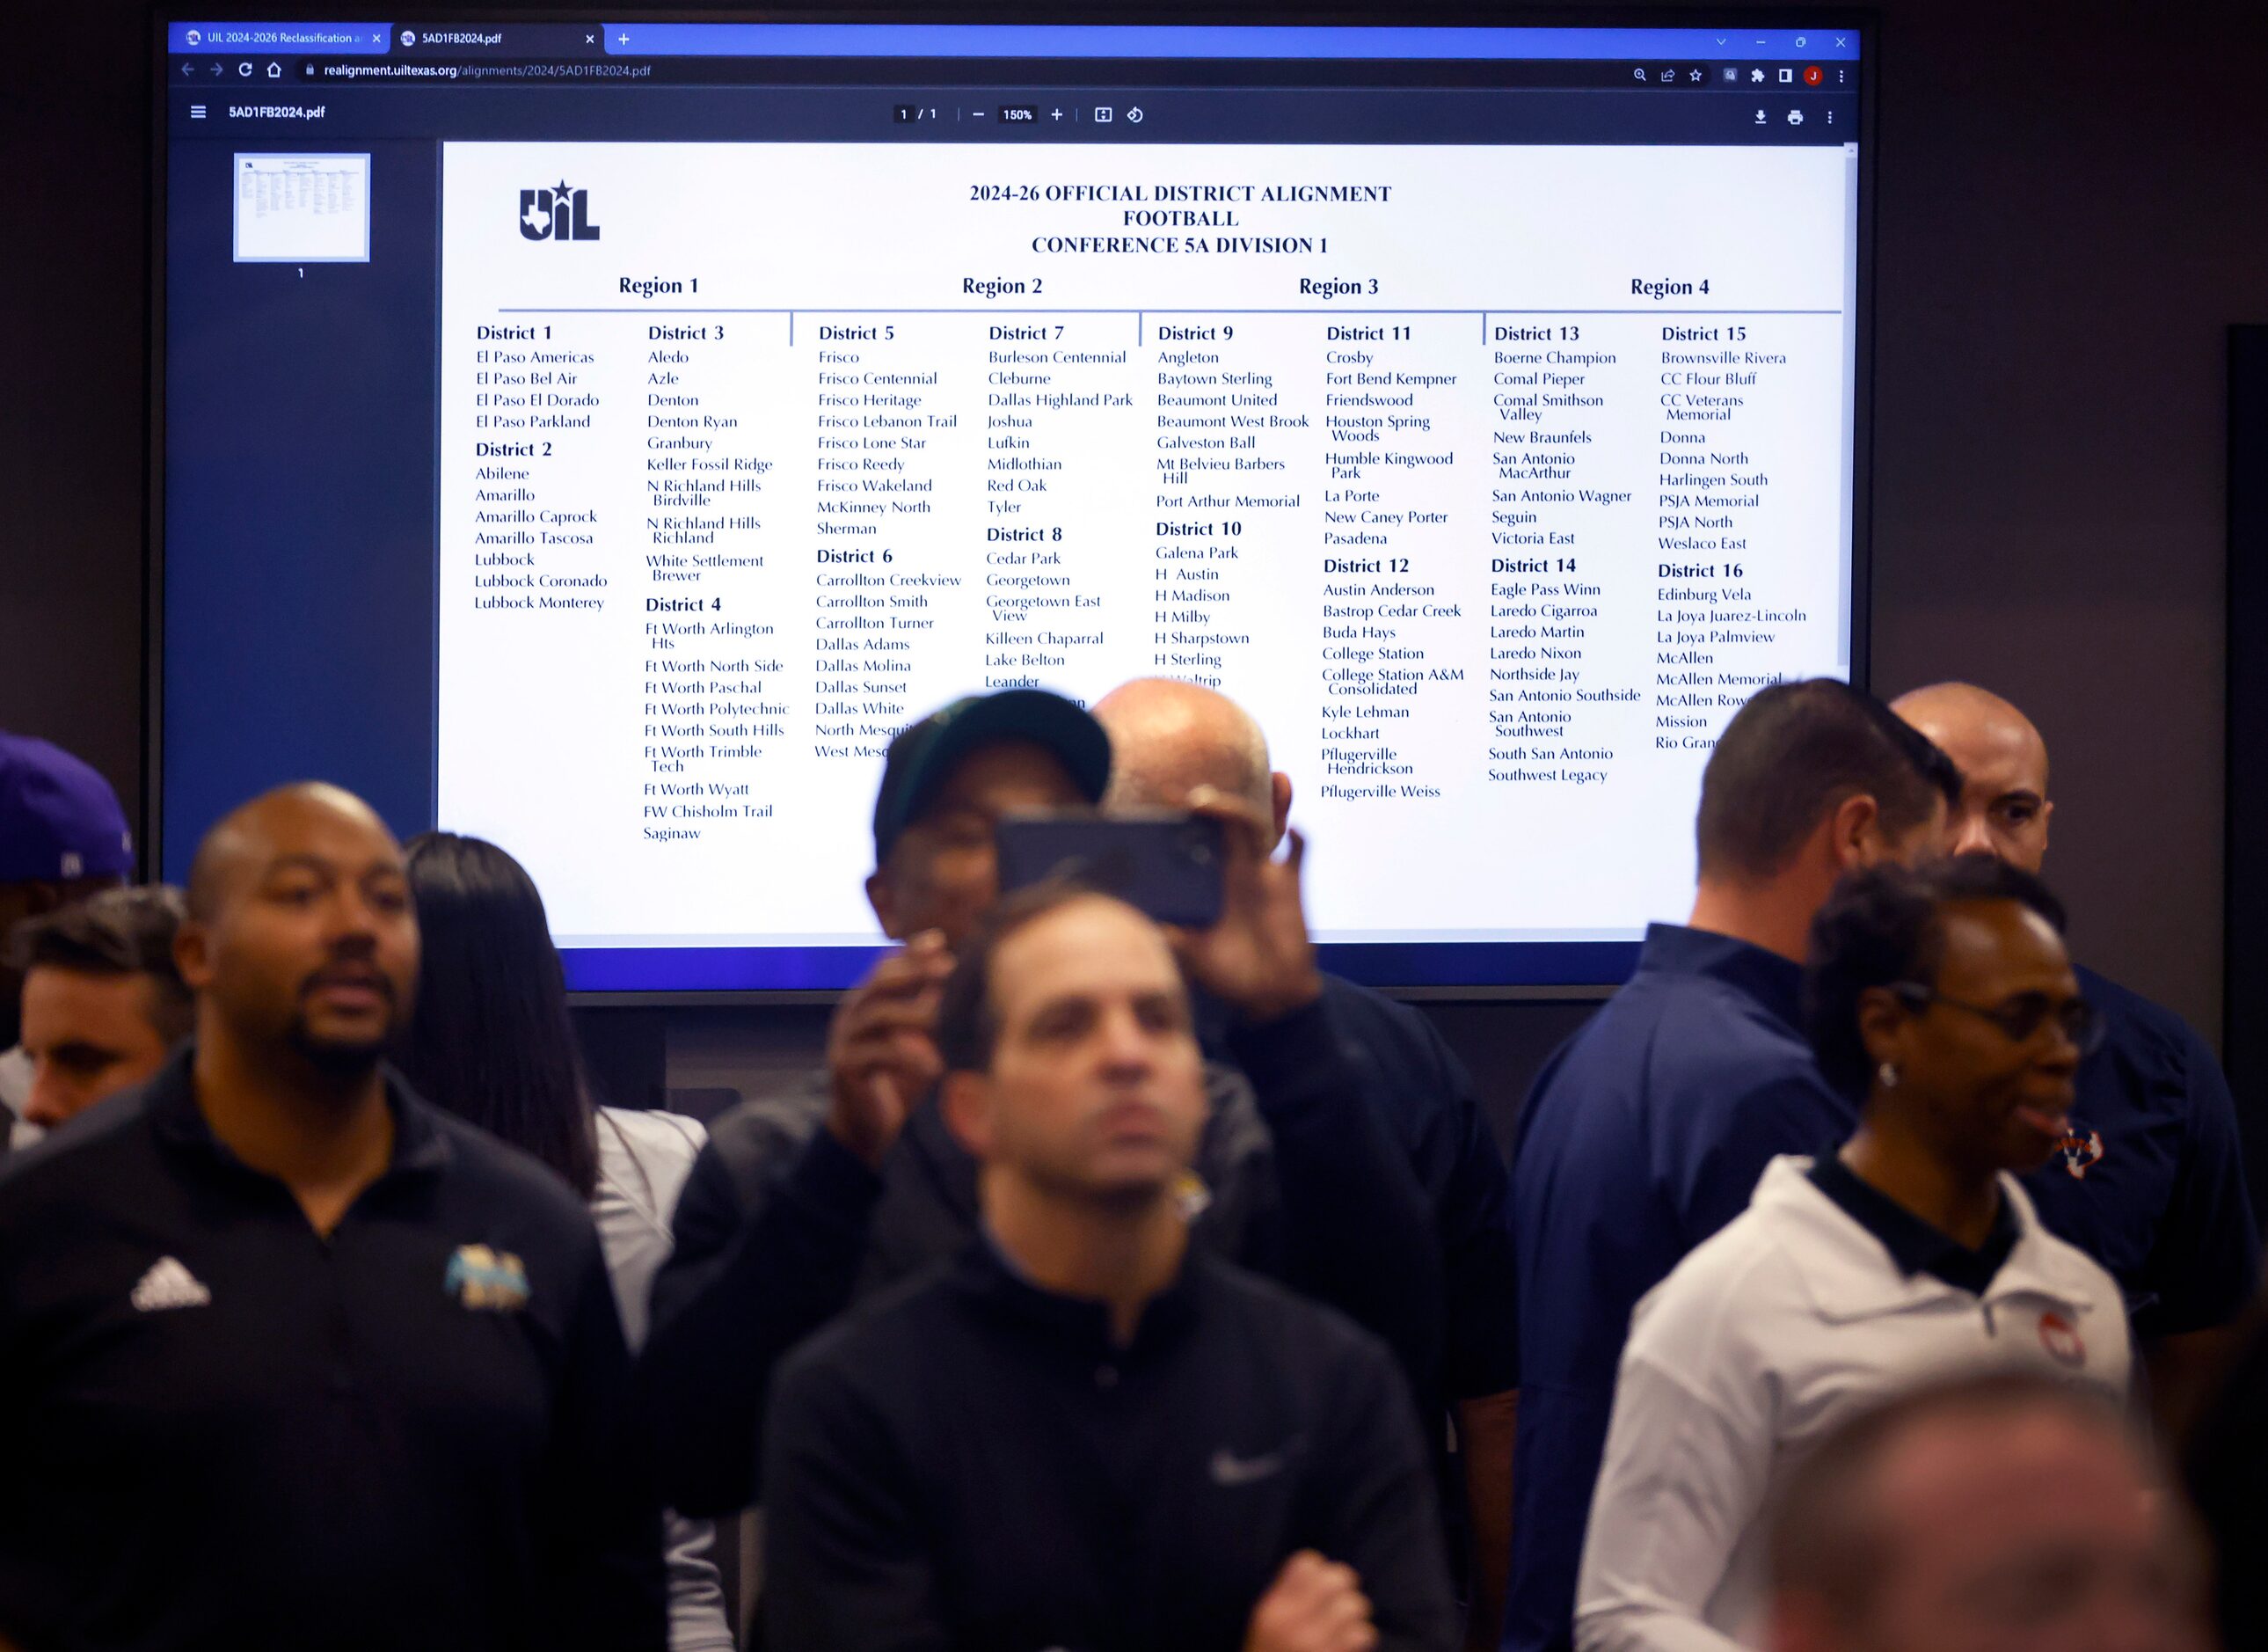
1987,1514
1947,998
1087,1432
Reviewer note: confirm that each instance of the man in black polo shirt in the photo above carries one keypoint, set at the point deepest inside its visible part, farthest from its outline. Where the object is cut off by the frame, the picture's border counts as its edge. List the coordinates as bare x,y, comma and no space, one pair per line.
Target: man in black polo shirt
806,1199
298,1360
2150,1179
1088,1433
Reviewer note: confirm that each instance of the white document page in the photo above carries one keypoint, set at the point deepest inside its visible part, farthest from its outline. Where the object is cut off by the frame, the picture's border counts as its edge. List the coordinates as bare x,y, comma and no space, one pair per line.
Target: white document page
1490,479
302,208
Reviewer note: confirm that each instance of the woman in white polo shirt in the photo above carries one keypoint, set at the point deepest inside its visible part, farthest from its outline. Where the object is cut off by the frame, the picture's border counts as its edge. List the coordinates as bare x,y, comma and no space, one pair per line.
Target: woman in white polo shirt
1946,997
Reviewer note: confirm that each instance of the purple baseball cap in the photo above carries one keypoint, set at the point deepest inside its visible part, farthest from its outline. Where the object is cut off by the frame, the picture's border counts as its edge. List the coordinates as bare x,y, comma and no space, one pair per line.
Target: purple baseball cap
59,820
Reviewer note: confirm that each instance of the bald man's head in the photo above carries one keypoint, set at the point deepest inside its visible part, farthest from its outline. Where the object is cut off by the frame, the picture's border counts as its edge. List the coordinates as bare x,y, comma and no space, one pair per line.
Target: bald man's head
237,843
300,935
2004,766
1168,737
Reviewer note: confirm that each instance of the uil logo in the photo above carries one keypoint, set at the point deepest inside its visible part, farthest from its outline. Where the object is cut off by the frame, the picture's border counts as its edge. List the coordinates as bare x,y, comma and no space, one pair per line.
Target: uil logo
560,213
481,1278
2081,1154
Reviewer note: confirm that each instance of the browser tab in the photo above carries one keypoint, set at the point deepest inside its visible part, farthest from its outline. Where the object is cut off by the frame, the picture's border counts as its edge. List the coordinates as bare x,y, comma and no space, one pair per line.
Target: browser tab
347,39
499,40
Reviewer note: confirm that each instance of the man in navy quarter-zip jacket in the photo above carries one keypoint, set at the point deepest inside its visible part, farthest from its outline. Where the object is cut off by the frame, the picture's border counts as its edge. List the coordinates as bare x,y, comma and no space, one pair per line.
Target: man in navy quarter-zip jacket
1089,1433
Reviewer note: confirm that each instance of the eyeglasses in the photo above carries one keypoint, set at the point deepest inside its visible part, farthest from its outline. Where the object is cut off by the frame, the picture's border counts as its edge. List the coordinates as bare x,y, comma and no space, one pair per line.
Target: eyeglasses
2022,1017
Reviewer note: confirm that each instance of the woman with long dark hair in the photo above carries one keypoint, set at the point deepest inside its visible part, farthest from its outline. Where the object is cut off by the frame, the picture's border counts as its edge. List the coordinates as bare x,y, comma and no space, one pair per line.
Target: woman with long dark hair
491,1042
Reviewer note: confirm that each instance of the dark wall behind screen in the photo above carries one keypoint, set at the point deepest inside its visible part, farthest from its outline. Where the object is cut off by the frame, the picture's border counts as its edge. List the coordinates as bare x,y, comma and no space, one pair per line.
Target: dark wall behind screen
2068,216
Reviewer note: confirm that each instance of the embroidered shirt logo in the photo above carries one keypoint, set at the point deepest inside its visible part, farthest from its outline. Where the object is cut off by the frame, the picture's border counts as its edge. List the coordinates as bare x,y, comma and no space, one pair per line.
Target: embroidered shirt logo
2061,1339
2081,1154
168,1284
1228,1469
481,1278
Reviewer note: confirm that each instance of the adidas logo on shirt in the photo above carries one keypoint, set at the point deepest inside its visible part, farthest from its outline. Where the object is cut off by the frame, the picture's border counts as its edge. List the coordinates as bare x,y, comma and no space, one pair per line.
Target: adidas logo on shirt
169,1284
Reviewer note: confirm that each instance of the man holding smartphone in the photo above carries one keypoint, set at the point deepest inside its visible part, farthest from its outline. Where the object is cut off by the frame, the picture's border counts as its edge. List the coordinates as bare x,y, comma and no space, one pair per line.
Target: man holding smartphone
806,1200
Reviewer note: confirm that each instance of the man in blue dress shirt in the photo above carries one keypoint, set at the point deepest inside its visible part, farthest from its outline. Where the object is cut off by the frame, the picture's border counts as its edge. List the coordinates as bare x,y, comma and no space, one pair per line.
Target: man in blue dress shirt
1647,1132
2150,1182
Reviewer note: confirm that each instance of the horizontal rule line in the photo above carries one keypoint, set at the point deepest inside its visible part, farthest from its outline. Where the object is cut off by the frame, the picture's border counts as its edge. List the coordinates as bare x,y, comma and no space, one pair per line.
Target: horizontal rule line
1656,311
713,310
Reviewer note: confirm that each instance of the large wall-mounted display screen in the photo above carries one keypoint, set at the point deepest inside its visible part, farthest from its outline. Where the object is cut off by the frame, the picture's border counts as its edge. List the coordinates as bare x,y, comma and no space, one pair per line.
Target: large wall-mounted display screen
601,436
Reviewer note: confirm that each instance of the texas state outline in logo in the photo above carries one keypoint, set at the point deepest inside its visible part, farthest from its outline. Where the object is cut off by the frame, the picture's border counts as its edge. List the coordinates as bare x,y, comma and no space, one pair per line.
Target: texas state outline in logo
561,213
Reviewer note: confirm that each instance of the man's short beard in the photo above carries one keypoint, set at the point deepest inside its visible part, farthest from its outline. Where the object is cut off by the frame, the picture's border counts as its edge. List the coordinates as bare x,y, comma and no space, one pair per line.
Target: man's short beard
334,1059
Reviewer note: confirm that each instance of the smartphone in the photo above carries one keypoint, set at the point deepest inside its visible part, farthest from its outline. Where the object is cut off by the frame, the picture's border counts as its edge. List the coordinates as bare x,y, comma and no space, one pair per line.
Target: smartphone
1165,864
